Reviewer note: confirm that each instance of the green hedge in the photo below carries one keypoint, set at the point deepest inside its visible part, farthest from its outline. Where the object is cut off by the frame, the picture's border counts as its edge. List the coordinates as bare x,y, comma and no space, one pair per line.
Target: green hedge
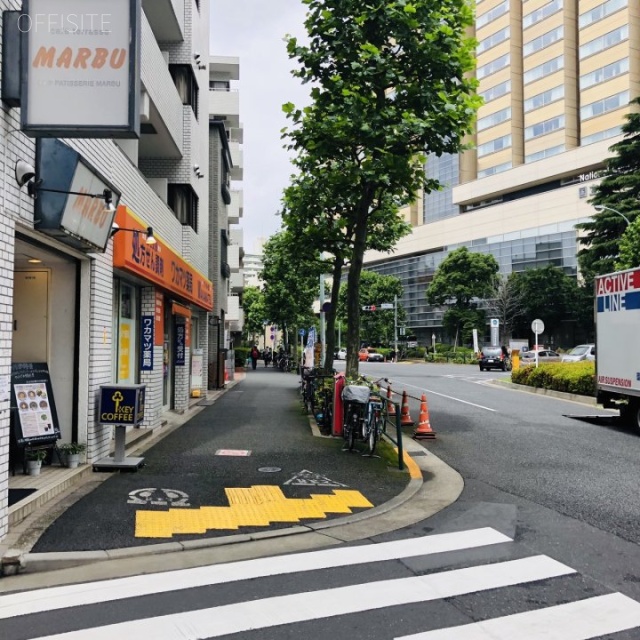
242,353
570,377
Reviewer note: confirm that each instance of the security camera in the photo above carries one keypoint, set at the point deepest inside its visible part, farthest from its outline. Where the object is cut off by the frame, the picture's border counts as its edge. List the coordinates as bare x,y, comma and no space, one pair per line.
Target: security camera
197,57
24,172
196,167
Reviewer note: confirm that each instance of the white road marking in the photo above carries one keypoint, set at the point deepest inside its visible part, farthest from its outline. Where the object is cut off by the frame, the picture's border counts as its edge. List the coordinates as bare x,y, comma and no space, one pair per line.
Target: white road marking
315,605
580,620
442,395
54,598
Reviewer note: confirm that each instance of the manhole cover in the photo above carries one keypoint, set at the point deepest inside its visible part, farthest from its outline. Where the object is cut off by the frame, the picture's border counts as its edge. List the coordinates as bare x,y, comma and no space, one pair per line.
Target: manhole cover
269,469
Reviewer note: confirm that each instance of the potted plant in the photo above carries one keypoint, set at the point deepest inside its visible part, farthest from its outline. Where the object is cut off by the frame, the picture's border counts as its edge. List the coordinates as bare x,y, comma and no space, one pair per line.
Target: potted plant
34,461
72,451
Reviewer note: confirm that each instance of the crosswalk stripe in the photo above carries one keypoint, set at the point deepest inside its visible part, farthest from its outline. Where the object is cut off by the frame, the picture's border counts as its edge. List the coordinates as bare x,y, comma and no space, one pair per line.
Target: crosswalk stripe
314,605
121,588
580,620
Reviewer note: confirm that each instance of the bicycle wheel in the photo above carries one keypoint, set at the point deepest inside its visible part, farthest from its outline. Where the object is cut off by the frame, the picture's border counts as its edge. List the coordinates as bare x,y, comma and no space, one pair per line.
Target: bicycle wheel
354,422
376,430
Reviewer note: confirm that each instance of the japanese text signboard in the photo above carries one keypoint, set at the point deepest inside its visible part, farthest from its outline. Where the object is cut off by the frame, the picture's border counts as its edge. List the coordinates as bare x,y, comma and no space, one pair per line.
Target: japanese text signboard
146,343
180,345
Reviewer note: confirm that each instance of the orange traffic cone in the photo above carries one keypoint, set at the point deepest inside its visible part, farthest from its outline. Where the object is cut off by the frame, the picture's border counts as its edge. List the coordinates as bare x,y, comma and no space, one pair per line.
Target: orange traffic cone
405,417
391,408
423,430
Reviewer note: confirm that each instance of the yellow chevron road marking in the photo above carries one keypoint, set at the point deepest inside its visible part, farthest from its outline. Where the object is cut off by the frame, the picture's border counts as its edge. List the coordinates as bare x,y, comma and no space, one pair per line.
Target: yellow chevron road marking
256,506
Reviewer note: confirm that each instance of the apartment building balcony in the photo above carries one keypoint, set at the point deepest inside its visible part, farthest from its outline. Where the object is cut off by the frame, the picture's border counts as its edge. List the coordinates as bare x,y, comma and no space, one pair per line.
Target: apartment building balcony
166,18
233,257
236,236
236,134
237,325
236,282
161,126
233,309
236,172
235,209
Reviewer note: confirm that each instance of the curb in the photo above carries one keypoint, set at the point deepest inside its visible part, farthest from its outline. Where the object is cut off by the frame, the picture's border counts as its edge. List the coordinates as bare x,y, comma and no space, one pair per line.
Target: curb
560,395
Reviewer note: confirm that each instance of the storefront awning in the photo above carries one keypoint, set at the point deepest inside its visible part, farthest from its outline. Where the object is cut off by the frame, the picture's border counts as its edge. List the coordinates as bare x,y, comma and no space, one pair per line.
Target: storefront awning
158,263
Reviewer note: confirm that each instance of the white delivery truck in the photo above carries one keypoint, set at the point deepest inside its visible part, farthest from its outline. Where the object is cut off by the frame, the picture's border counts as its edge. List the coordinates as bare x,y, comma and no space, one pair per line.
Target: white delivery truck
617,310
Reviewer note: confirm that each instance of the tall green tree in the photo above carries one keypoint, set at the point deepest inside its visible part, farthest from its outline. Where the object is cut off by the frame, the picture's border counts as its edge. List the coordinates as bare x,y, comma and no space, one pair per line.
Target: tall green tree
255,312
390,83
290,285
619,189
460,282
376,327
630,247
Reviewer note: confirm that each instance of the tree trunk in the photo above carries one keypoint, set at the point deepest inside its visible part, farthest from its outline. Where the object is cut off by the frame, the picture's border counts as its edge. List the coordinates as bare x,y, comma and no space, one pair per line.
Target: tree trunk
330,318
353,292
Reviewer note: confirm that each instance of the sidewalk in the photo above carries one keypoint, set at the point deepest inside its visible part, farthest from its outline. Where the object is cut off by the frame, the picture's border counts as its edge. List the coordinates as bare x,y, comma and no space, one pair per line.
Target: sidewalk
244,468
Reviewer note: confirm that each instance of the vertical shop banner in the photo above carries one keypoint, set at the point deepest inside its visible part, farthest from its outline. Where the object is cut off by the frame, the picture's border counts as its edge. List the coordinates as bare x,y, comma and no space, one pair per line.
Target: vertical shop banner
124,350
187,333
146,344
159,319
180,345
197,365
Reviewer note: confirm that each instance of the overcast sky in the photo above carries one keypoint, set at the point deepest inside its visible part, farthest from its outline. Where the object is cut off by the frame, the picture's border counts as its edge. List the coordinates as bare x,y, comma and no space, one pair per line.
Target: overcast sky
254,31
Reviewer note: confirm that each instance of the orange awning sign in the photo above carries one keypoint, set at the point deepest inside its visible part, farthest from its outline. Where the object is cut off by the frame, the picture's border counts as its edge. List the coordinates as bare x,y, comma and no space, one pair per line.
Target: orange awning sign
158,263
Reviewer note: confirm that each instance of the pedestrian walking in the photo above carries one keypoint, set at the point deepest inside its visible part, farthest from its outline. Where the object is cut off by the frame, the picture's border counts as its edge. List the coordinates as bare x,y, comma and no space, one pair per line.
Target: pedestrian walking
254,355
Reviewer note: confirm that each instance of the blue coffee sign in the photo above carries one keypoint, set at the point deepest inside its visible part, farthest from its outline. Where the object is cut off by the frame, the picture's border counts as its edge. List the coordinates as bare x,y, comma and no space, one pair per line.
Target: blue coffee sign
122,404
146,344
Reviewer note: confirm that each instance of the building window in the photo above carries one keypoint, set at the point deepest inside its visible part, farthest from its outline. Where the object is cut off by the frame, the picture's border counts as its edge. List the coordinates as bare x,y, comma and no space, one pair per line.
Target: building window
493,40
544,98
183,201
603,106
492,146
601,11
601,135
544,69
492,14
604,73
543,12
543,41
496,91
606,41
545,153
543,128
219,85
499,168
493,66
494,119
186,84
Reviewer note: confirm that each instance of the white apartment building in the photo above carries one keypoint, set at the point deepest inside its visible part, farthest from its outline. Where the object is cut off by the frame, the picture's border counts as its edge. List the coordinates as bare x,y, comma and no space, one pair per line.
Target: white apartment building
84,312
556,77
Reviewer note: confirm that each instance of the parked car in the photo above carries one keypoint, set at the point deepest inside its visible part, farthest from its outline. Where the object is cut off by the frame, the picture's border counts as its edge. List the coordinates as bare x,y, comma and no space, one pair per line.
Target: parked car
493,358
544,355
374,356
341,354
363,355
581,352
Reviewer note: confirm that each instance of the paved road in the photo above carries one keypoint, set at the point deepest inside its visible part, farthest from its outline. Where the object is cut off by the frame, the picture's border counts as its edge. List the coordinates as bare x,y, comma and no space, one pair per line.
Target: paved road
464,584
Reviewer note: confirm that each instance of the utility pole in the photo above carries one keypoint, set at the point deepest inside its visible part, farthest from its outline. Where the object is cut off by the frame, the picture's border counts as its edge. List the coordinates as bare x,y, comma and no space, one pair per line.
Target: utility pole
395,325
322,327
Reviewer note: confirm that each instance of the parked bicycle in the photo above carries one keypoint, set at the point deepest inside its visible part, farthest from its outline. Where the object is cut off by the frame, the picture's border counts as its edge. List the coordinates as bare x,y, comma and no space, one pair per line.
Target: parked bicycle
363,416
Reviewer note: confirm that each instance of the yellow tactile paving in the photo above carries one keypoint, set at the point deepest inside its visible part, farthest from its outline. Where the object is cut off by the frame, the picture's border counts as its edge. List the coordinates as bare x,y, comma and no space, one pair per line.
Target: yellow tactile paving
256,506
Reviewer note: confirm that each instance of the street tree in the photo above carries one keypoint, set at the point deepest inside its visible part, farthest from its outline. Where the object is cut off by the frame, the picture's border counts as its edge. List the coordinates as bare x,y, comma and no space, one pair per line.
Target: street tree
390,82
376,327
255,312
506,305
460,282
630,247
619,189
290,285
313,216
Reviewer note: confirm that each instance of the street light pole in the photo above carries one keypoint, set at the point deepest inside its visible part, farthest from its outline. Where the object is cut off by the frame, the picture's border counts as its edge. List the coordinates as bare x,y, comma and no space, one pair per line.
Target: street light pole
600,208
395,325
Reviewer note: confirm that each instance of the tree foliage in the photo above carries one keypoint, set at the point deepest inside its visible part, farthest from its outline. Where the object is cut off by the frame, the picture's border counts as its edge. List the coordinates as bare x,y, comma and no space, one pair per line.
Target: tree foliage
290,285
619,189
630,247
389,83
255,311
376,327
462,279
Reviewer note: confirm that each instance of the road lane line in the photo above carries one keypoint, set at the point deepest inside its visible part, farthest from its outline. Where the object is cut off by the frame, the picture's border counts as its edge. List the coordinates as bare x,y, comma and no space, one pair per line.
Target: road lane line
74,595
443,395
315,605
582,620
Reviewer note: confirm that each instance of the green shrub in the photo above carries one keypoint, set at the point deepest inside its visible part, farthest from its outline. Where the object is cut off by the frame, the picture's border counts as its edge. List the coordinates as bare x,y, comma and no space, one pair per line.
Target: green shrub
569,377
242,353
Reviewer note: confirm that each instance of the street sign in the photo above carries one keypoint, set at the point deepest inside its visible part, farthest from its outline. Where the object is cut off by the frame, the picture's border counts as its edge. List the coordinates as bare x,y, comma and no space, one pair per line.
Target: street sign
537,326
495,323
301,332
369,307
386,305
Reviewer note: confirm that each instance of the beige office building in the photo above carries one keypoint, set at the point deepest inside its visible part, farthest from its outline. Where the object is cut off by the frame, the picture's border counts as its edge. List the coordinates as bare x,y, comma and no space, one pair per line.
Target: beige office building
556,77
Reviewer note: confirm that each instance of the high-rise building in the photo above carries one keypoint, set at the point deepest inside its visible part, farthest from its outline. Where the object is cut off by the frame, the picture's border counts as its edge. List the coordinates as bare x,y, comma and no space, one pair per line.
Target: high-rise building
556,77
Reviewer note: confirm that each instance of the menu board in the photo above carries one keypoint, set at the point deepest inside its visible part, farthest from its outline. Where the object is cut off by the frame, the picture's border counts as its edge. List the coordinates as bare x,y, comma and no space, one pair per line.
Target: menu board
35,418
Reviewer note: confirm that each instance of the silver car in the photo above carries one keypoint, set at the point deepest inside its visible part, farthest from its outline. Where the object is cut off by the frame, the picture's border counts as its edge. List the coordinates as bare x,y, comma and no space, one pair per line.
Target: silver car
581,352
544,355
